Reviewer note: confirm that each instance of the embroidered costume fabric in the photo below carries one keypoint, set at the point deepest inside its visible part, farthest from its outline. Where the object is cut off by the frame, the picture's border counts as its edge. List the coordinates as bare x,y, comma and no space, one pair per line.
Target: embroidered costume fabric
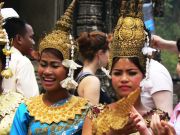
105,118
9,102
65,117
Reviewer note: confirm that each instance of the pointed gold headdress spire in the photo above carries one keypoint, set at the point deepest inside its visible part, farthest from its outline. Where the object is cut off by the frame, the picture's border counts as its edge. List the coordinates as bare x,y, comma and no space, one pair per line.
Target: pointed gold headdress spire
59,38
65,22
129,35
6,73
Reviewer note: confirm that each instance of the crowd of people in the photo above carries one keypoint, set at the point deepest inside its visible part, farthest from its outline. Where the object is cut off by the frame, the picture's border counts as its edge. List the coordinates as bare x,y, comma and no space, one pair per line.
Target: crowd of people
74,102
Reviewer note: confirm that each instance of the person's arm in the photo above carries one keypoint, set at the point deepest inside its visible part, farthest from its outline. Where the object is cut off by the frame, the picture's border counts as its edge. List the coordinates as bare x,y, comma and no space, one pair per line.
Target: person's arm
21,121
162,87
160,43
87,127
163,100
91,89
26,81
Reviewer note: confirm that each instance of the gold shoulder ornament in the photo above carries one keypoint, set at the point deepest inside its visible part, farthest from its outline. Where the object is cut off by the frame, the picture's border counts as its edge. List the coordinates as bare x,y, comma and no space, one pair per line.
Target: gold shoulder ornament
49,114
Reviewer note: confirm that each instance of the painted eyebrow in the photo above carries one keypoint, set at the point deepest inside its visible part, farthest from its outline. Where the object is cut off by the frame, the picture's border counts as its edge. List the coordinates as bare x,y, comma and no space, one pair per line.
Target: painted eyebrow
134,69
60,62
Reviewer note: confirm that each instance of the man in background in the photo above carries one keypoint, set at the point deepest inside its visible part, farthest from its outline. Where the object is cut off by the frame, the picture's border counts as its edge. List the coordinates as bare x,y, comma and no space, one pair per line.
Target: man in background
20,34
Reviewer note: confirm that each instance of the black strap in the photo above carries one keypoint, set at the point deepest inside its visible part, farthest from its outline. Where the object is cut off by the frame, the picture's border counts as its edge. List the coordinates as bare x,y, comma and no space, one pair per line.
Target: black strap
82,76
79,78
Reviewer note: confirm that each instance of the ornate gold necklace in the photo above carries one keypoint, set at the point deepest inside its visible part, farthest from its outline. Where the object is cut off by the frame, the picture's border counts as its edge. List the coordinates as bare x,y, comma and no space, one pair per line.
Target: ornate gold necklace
48,114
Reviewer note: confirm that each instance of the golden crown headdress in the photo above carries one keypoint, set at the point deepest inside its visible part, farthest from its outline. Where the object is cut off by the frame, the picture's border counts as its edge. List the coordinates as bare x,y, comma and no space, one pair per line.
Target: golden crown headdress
6,73
61,40
129,35
131,39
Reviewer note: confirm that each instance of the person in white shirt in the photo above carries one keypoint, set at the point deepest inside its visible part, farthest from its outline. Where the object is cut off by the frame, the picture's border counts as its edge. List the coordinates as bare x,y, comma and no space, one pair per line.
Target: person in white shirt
21,35
159,93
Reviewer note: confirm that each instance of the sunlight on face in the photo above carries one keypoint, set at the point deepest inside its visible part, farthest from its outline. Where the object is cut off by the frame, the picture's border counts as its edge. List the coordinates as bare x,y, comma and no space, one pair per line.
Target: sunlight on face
51,71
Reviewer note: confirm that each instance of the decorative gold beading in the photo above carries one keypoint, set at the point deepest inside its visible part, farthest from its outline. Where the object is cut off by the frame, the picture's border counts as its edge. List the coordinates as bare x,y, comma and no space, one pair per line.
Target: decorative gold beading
117,117
59,38
129,35
49,114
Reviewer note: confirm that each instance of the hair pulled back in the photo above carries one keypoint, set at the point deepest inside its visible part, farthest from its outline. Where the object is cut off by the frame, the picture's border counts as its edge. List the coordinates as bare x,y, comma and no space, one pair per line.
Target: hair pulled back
91,43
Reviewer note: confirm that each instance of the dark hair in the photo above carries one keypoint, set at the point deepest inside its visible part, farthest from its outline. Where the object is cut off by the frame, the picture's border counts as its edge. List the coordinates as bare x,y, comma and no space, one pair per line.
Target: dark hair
178,44
2,57
91,43
14,26
3,64
55,52
134,60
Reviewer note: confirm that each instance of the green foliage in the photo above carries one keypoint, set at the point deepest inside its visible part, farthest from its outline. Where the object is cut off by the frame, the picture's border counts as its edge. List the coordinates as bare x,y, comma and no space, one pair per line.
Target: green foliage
169,60
168,28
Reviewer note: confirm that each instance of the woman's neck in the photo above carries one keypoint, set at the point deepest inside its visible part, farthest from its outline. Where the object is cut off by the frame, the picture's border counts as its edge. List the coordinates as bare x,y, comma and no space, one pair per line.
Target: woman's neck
51,97
90,67
142,109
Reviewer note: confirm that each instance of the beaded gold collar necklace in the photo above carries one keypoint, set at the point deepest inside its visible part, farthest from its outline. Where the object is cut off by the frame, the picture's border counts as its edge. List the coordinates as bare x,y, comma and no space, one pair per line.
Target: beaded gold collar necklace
62,113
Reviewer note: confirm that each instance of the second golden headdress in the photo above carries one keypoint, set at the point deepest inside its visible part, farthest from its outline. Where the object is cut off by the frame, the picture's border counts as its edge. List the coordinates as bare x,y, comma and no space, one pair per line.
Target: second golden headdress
129,35
131,39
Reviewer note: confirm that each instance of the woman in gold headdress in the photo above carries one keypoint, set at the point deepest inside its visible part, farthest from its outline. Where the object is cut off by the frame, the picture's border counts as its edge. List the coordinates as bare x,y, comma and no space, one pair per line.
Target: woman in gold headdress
57,111
9,101
129,63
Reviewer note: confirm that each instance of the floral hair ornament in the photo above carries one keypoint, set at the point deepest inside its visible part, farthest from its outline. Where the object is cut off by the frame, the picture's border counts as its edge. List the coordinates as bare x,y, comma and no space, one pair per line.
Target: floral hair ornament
6,73
69,83
147,51
61,40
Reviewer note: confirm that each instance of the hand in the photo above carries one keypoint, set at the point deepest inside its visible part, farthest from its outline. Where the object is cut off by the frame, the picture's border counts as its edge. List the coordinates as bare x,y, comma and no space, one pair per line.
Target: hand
136,123
169,129
139,122
158,42
161,127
